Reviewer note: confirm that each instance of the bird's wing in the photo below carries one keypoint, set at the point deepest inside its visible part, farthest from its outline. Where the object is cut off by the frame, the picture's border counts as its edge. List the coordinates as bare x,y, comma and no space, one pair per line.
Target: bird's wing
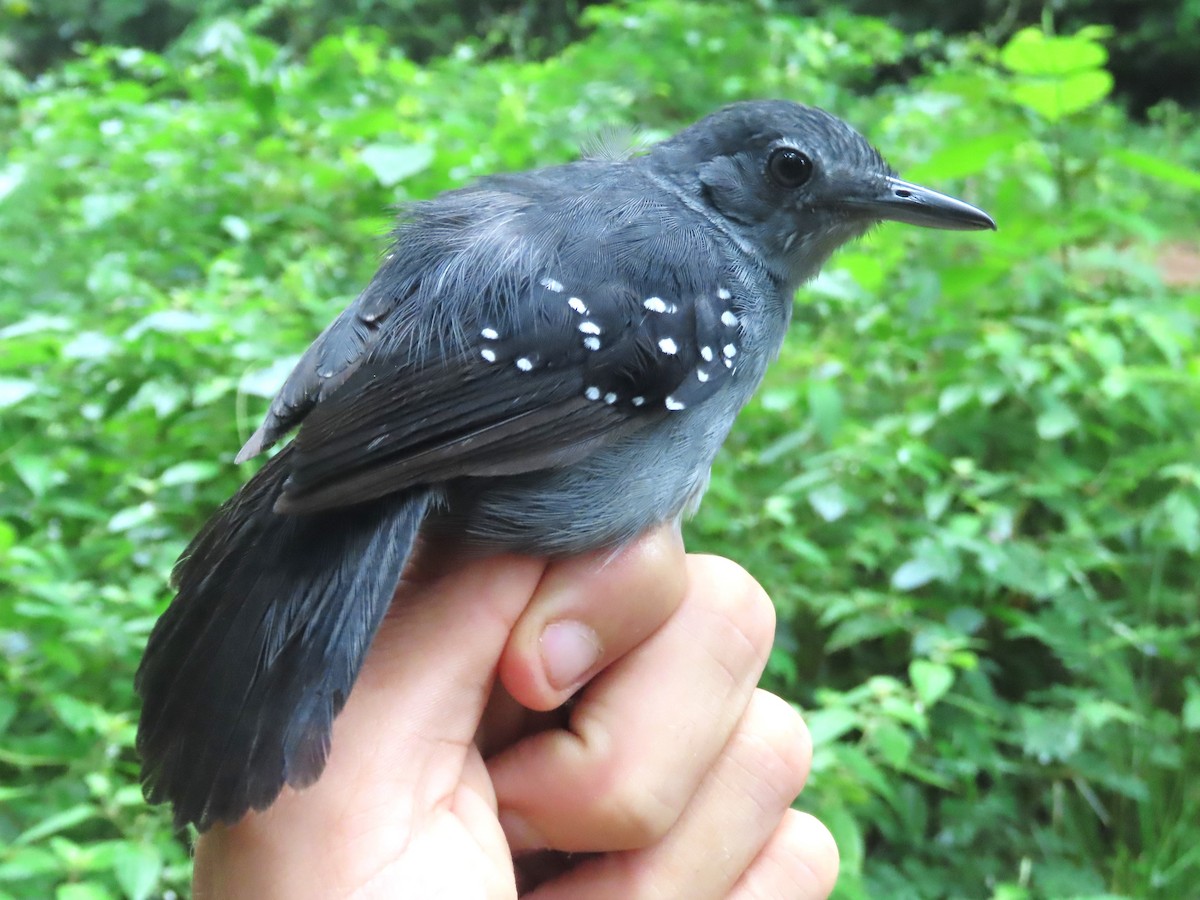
537,369
575,373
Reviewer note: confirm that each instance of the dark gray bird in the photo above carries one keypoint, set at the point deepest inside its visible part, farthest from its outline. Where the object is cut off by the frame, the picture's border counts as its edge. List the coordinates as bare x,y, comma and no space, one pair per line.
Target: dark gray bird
545,362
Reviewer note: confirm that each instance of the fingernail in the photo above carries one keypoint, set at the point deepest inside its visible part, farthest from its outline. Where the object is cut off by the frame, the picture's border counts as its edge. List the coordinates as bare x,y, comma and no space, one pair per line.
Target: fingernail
521,838
569,650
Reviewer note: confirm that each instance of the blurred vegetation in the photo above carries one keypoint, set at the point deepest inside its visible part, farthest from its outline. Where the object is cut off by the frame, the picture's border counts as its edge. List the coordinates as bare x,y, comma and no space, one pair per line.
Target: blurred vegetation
1154,43
971,483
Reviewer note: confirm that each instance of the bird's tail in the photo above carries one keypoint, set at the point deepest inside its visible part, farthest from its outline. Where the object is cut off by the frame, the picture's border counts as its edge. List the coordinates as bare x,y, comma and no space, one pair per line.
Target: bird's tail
246,670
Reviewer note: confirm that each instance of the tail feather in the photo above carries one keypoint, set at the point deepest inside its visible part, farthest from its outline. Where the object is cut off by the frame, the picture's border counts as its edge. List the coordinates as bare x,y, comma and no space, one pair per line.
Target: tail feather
246,670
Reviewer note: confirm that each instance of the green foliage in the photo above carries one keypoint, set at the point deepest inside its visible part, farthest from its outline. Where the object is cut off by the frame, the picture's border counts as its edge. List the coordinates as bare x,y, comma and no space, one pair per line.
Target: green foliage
970,483
1154,45
41,32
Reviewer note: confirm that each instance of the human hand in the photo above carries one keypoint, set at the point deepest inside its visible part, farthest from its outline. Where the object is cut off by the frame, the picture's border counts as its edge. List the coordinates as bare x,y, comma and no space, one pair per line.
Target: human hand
671,771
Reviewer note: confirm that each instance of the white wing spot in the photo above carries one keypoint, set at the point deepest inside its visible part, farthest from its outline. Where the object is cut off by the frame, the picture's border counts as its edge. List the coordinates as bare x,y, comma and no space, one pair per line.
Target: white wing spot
729,318
707,353
489,334
578,305
723,294
729,350
610,398
638,401
674,404
592,343
524,364
488,354
589,328
592,393
655,304
668,346
551,285
701,376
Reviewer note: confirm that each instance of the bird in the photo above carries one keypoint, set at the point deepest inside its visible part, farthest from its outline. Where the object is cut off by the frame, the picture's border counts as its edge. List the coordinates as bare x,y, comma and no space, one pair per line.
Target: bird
545,362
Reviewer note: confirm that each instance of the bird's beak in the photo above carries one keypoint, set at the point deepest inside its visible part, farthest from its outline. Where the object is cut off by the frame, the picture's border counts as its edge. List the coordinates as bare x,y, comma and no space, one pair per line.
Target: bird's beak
902,201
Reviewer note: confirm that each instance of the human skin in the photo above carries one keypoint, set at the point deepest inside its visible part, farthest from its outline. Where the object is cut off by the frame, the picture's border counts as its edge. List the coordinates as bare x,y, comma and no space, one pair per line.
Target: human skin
669,773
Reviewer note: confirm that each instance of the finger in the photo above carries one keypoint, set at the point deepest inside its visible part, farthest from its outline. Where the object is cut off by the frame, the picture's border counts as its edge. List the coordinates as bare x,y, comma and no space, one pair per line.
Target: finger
588,611
423,686
645,733
799,862
441,643
734,815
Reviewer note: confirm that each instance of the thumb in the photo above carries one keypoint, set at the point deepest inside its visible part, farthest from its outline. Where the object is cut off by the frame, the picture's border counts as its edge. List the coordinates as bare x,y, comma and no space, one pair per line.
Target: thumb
429,672
423,686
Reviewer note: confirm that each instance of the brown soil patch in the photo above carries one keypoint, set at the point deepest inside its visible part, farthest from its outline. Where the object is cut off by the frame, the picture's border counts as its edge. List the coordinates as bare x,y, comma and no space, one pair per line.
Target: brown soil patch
1180,265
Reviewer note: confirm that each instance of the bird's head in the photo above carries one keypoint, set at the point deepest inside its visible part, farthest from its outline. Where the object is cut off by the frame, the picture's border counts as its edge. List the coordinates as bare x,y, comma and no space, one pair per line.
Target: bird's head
795,183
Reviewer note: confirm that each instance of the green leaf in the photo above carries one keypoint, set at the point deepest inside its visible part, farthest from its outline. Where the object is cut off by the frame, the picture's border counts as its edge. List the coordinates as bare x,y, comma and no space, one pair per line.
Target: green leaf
138,868
14,390
1183,516
936,502
914,574
847,831
827,725
37,323
392,163
1032,52
1191,704
1056,99
1157,167
782,665
930,680
169,321
825,407
829,502
966,157
189,472
1048,735
83,890
1056,421
267,382
74,713
1011,891
99,209
11,177
893,743
56,822
132,517
24,863
38,473
954,396
89,345
236,228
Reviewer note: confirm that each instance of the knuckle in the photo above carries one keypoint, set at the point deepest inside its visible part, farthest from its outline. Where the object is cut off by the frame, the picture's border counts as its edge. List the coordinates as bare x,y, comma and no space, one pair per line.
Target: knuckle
630,807
639,816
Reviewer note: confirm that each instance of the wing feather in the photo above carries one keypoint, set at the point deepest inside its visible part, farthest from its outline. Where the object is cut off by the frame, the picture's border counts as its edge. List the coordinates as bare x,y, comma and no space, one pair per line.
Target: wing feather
503,335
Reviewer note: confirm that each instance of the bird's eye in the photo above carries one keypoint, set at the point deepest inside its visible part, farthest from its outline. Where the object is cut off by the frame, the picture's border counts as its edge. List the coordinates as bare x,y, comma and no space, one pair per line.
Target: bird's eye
789,168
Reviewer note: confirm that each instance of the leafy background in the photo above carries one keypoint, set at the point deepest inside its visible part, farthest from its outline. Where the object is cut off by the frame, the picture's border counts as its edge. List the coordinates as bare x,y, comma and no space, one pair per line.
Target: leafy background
971,483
